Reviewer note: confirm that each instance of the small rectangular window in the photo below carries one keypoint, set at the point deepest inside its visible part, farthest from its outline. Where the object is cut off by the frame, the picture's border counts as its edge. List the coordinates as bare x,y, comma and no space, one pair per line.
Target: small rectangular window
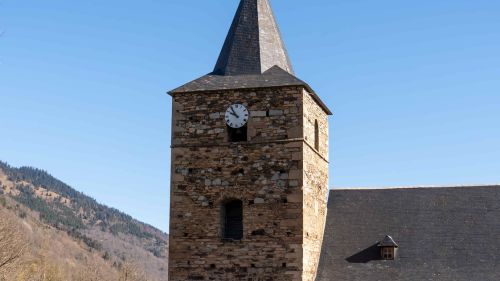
387,254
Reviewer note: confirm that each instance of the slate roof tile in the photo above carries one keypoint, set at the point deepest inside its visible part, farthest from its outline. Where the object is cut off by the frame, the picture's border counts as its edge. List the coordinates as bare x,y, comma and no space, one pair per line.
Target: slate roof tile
253,44
444,234
274,77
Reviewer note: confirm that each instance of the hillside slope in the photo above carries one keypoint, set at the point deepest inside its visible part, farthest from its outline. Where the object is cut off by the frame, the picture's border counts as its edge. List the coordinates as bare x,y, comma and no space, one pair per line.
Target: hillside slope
75,231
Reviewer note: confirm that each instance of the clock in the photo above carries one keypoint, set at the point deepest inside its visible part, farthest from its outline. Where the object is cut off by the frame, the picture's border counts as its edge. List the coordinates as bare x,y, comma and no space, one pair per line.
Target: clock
237,116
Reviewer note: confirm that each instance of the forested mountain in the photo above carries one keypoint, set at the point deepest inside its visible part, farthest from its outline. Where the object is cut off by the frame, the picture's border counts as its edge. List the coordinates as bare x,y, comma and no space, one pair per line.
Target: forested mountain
40,200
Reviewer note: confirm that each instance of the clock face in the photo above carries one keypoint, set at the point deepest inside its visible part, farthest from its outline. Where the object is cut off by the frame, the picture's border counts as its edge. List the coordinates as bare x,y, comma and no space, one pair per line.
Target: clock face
237,116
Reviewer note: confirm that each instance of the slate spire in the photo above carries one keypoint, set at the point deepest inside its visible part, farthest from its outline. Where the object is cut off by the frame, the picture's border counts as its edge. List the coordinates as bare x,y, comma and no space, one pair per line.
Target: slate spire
253,44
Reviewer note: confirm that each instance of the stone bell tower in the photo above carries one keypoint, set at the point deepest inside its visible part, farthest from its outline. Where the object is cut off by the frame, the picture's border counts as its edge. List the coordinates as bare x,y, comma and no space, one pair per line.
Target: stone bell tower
249,163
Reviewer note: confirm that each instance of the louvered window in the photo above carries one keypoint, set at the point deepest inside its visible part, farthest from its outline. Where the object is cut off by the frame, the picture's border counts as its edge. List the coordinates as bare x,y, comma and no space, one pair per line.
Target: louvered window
232,220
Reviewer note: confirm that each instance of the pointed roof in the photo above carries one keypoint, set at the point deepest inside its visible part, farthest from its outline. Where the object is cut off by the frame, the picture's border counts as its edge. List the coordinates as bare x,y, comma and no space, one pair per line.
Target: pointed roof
253,44
253,56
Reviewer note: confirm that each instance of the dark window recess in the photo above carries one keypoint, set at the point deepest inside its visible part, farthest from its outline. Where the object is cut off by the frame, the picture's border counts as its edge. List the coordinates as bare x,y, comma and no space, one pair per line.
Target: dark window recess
259,232
316,135
239,172
237,135
232,220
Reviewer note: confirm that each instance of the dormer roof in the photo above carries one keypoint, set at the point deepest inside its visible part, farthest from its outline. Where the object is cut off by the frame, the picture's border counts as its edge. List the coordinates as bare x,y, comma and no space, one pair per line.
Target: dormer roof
388,242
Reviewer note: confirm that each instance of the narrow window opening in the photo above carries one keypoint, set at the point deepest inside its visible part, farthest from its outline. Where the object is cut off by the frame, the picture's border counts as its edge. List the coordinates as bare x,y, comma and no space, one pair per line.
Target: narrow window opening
238,134
232,220
316,135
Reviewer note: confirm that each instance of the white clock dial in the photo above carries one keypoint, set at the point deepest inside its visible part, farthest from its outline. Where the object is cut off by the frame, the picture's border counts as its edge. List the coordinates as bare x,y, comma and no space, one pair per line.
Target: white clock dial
237,116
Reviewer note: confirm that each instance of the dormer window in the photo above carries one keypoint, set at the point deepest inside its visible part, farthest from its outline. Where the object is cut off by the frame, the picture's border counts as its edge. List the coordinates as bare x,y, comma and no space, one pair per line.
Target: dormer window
388,248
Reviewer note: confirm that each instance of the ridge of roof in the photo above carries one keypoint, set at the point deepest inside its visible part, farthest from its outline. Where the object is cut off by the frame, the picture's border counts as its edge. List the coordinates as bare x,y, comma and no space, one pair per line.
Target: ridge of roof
413,187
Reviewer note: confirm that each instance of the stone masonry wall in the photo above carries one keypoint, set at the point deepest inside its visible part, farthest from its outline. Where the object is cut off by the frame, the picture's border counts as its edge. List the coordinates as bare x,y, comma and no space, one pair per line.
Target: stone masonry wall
272,174
315,185
265,173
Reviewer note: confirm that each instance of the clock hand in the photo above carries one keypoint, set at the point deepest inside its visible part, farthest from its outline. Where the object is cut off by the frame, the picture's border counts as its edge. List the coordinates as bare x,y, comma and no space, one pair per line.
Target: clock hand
234,112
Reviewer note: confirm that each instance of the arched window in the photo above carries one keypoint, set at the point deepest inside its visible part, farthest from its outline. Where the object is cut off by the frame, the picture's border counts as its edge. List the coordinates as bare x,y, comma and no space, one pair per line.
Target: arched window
316,135
232,220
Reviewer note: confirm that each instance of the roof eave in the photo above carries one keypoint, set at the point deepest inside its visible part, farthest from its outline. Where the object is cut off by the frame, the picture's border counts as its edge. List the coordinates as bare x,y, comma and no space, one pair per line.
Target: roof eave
176,91
320,102
305,85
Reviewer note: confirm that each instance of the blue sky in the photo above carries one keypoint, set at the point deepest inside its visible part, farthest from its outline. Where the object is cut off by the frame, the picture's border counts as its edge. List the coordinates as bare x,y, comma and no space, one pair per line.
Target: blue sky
414,85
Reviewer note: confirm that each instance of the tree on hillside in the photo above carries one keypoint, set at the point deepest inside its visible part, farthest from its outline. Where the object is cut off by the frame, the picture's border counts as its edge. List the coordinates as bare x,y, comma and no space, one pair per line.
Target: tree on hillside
12,243
40,268
131,272
92,272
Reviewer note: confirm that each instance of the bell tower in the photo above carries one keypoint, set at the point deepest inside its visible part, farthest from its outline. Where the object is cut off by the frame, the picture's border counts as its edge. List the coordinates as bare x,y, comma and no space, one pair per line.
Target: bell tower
249,163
